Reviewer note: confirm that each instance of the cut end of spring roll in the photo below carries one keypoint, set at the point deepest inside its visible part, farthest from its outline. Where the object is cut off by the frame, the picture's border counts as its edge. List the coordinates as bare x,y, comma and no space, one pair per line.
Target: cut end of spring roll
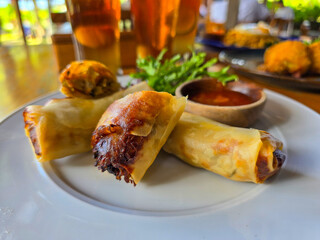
132,131
31,120
270,158
88,79
239,154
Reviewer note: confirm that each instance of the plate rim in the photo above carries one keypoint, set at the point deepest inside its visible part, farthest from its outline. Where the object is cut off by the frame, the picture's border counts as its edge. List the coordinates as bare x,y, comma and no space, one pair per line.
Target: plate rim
31,102
127,211
206,41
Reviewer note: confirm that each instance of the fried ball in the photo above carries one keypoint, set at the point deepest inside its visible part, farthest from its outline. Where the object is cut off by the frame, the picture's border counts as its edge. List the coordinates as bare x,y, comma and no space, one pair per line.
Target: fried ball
88,79
288,57
315,57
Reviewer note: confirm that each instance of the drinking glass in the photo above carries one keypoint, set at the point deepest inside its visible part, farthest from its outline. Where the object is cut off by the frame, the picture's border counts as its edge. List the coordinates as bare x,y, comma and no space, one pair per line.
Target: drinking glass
186,26
95,25
154,25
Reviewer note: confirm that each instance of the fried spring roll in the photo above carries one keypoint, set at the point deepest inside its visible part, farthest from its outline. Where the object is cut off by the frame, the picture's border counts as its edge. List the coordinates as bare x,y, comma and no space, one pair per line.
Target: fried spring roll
239,154
64,126
132,131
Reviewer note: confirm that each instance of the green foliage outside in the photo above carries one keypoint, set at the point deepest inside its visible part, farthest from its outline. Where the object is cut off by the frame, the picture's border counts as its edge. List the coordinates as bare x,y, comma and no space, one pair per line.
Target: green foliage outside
303,9
36,28
306,10
9,24
309,13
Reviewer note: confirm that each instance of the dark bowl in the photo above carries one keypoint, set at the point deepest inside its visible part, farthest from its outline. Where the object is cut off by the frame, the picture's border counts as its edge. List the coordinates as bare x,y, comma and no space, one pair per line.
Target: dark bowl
240,116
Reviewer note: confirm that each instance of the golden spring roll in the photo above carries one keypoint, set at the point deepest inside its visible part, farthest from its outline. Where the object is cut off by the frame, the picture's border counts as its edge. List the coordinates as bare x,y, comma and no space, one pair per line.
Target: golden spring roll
64,126
239,154
132,131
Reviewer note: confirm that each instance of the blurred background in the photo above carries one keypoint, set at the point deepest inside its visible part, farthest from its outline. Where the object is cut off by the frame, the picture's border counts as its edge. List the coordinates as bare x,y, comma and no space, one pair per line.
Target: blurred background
36,40
33,21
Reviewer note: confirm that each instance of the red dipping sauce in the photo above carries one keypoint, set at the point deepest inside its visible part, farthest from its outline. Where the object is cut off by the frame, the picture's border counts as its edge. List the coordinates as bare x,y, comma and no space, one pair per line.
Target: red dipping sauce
221,97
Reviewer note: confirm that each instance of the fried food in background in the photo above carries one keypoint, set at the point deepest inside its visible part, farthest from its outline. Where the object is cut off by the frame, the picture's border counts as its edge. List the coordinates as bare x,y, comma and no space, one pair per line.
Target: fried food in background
288,57
315,57
88,79
132,131
251,39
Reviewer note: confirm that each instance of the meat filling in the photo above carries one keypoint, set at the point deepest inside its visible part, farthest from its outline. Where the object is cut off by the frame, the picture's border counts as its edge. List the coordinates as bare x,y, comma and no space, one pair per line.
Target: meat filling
115,150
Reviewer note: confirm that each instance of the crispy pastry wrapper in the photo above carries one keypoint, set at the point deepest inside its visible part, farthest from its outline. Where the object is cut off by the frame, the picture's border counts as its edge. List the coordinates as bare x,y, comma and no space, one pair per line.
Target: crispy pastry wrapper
239,154
88,79
64,126
132,131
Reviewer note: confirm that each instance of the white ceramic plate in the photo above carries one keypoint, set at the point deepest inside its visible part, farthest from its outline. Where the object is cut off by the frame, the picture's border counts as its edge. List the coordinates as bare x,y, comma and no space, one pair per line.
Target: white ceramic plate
70,199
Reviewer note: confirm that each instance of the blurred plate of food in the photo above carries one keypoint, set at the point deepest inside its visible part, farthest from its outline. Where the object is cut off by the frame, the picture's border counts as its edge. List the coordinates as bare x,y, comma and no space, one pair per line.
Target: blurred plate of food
289,63
242,37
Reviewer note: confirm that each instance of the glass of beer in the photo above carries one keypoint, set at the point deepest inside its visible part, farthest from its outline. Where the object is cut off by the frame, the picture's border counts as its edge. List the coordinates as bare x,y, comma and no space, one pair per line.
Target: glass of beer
215,28
186,26
154,25
95,25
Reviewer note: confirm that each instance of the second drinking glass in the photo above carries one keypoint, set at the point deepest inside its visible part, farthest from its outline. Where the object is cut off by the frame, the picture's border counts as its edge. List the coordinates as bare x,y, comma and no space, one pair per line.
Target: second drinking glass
155,25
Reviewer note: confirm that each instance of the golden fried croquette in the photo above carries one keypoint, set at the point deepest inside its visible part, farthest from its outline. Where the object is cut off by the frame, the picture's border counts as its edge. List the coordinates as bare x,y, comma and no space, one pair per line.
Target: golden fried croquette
315,57
88,79
288,57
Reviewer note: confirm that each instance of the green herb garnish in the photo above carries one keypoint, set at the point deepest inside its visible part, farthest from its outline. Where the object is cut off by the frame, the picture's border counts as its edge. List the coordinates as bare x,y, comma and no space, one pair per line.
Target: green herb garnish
166,75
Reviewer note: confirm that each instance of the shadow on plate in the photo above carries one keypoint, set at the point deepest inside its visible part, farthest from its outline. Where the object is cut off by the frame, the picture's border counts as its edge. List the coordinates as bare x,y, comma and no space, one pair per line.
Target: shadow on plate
169,170
78,160
285,175
277,114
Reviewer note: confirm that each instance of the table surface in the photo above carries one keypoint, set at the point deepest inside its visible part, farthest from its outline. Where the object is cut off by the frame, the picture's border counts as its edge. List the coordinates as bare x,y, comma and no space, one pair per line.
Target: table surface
29,72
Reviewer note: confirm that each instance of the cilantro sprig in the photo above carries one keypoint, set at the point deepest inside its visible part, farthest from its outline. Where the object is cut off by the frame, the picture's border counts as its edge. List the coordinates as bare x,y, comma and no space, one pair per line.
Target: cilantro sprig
166,75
